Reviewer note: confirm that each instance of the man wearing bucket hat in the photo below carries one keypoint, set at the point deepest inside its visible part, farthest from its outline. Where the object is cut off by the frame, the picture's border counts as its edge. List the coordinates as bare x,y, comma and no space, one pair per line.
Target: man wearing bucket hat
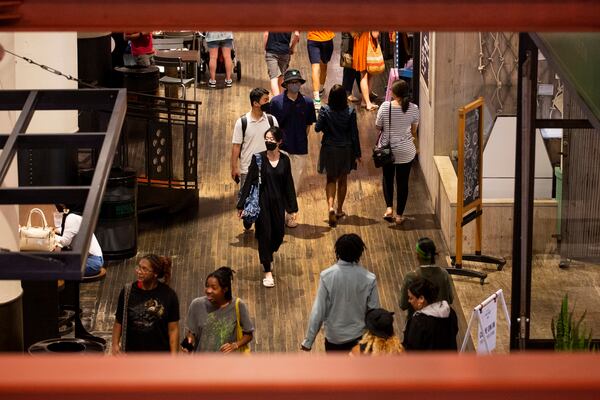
295,113
426,252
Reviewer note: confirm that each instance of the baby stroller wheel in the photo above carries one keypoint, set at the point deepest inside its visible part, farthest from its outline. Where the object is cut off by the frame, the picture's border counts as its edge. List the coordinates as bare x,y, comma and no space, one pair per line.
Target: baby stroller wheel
238,70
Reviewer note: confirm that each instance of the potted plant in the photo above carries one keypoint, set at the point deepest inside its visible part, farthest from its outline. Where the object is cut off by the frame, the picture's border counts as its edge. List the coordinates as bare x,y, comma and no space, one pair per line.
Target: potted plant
568,333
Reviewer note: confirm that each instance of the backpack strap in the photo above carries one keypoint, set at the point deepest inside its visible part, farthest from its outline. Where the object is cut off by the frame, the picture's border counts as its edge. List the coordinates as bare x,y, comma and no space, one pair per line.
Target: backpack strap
244,121
270,118
244,126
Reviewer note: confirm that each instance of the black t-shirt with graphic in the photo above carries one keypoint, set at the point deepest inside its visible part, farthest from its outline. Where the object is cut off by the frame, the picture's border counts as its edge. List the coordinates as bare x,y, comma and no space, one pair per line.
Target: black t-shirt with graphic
148,317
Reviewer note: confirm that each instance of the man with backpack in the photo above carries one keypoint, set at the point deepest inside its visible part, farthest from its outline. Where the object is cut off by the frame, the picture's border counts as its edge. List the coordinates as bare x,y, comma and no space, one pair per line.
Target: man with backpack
248,136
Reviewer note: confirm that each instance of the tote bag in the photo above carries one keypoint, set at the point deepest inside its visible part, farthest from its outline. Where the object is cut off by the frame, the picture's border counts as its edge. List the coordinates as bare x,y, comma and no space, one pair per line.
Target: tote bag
375,63
36,238
252,204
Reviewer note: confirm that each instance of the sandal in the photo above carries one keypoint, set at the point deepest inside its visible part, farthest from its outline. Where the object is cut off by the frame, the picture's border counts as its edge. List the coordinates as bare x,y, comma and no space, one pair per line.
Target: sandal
332,219
269,282
389,217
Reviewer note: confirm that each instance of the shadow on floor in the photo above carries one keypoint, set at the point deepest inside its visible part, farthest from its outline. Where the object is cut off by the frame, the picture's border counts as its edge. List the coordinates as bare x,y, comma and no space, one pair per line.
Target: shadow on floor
307,231
356,220
246,239
417,221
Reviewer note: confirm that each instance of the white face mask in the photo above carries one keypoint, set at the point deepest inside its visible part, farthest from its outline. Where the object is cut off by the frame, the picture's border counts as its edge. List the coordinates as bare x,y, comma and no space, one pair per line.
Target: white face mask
293,87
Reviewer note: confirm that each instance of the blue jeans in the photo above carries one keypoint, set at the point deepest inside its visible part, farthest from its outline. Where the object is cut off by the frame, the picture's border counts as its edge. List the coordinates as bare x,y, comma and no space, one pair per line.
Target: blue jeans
93,265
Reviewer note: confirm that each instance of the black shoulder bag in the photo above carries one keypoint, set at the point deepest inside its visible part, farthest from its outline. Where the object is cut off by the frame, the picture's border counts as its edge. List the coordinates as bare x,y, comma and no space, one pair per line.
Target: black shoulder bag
383,155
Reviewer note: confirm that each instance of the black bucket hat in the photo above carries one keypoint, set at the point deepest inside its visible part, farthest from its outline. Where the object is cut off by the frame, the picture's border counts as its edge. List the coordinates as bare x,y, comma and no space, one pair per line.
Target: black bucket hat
292,75
380,322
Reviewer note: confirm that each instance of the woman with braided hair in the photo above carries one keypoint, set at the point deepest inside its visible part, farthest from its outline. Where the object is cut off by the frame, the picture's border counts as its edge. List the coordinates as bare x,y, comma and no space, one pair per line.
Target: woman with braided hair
152,310
218,321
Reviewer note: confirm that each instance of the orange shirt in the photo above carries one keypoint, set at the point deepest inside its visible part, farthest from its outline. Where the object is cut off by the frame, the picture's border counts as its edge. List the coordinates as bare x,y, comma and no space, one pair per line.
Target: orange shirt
320,36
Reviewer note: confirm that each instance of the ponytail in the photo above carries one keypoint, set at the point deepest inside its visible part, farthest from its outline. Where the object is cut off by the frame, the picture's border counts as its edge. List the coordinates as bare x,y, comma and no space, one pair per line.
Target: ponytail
405,103
224,275
161,265
401,92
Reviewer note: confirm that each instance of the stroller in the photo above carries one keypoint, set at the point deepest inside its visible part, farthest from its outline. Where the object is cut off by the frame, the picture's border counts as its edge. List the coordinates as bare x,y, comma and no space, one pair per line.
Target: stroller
205,57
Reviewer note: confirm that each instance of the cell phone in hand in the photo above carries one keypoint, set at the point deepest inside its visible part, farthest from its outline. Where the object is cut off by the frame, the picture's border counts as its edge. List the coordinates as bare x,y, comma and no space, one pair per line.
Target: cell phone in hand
187,345
237,179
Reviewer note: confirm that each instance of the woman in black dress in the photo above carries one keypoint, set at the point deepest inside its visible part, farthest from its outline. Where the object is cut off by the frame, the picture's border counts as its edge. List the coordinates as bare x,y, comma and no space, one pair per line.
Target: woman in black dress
340,148
276,197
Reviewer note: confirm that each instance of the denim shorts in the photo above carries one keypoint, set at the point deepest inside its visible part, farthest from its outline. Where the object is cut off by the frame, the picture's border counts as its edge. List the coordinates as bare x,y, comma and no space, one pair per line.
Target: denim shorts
319,52
228,43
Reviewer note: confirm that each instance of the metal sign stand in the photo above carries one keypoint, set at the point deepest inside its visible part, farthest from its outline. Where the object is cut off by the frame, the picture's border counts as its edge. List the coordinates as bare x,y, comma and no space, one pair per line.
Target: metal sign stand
476,314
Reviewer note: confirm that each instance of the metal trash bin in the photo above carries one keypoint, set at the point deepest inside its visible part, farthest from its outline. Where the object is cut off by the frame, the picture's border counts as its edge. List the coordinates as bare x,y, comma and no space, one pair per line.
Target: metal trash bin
11,316
140,79
117,227
66,345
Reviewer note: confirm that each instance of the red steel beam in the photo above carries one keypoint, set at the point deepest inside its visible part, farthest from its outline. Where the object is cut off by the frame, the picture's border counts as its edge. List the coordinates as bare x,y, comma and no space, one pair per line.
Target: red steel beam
429,376
404,15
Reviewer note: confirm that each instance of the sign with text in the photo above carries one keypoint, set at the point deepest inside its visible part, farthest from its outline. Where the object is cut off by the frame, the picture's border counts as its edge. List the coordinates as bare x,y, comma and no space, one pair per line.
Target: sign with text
425,56
486,335
486,315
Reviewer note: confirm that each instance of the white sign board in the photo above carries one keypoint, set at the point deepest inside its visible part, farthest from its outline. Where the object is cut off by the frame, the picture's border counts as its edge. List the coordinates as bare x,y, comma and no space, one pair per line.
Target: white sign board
486,335
486,315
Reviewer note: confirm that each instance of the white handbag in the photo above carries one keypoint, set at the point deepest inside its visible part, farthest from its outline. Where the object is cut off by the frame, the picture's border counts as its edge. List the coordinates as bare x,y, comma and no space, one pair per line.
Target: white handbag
36,238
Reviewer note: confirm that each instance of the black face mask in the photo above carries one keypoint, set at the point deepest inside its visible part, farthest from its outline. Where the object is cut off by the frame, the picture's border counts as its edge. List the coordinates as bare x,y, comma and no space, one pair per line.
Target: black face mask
266,107
270,145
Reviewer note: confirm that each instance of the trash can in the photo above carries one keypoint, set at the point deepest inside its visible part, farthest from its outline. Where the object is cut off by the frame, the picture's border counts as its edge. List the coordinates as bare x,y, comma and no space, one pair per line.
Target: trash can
66,345
140,79
11,316
117,227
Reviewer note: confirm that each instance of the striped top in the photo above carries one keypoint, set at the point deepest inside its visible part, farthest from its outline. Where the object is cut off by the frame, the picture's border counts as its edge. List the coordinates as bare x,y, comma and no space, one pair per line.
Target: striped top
399,135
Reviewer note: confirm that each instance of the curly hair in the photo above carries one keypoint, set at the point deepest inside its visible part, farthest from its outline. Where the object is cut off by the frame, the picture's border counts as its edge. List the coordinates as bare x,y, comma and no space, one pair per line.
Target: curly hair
161,265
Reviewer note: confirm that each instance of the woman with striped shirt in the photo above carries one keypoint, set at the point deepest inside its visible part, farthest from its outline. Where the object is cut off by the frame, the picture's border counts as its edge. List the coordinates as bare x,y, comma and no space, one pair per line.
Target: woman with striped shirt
398,119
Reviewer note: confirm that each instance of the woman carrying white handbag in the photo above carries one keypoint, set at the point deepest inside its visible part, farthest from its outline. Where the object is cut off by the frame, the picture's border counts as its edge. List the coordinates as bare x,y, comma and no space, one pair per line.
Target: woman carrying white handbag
68,226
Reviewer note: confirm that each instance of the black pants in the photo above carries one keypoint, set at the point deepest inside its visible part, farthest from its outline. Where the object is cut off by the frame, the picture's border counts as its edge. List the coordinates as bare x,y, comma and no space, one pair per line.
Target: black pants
348,78
402,172
329,347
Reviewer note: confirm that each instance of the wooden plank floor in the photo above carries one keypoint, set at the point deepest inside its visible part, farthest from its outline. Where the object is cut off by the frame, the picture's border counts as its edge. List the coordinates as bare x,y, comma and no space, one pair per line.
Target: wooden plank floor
213,237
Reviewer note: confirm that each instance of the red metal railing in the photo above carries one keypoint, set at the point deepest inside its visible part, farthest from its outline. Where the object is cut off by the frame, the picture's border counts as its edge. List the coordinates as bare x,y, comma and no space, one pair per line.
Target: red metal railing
428,376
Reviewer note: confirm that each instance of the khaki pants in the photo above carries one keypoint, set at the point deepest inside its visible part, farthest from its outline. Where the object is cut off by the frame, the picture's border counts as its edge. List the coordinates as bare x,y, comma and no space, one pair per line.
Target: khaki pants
298,164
